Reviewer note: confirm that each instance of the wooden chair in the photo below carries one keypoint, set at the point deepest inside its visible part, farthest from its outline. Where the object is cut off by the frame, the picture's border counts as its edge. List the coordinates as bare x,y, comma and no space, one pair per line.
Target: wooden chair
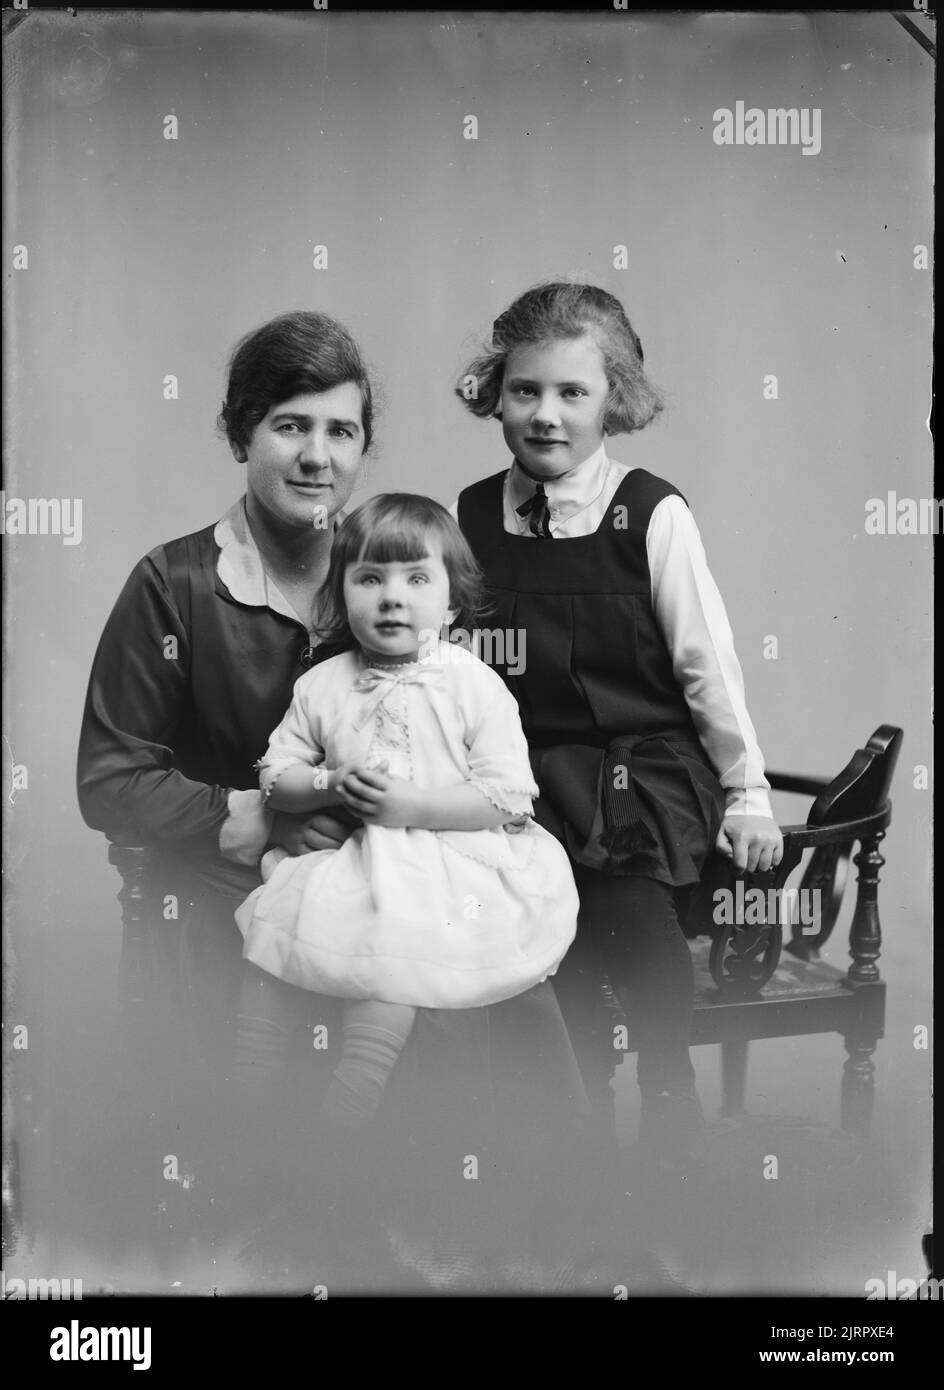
749,985
746,987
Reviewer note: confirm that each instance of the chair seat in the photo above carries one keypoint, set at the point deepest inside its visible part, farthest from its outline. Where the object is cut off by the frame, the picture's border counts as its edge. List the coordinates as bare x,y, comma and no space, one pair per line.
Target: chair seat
800,997
791,979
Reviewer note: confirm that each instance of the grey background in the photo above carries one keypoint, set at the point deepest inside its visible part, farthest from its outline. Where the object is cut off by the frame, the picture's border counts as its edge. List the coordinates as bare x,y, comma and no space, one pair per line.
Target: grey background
149,257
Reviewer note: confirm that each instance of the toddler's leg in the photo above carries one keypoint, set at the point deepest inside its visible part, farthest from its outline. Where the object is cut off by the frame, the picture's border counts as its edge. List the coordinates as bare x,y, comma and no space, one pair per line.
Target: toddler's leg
263,1028
374,1036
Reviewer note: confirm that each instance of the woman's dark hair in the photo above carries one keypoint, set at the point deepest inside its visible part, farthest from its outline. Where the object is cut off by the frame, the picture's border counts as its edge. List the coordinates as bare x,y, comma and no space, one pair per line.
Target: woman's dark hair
398,526
292,354
565,309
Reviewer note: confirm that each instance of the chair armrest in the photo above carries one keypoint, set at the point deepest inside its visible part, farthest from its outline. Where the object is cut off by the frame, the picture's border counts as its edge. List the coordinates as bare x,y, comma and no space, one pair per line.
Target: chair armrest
803,786
852,808
840,832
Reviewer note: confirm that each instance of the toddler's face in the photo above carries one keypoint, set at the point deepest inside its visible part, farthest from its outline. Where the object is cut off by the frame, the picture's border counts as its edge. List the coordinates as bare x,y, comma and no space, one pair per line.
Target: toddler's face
553,404
393,607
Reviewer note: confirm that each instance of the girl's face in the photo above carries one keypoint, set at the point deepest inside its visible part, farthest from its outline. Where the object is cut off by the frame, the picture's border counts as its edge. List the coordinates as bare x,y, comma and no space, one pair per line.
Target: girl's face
553,404
303,458
393,607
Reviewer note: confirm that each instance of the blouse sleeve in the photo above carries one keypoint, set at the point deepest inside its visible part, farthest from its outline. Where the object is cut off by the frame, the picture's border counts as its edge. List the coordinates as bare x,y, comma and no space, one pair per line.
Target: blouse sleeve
497,749
127,784
692,618
298,738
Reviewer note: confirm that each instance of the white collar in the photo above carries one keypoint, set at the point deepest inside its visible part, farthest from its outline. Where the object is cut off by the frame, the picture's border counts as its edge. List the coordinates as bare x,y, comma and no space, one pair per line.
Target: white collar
568,494
240,565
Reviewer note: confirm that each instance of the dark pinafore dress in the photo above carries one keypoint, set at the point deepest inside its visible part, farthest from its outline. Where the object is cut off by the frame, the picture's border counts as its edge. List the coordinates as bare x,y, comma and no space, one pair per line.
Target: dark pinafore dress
625,783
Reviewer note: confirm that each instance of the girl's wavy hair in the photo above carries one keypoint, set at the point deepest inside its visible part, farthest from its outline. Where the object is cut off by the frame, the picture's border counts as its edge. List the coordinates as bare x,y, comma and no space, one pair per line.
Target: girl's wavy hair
566,309
289,356
398,526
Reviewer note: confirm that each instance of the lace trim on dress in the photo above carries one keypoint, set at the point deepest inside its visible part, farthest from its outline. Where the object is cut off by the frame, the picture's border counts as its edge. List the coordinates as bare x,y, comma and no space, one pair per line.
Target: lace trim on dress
263,764
500,796
277,766
455,841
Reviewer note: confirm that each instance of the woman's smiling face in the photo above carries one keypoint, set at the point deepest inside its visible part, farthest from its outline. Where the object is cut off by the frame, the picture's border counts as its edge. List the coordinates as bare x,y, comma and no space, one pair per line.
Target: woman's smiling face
553,403
303,457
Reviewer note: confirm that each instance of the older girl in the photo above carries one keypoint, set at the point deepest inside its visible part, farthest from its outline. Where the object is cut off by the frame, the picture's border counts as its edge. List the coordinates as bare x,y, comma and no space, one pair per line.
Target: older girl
632,698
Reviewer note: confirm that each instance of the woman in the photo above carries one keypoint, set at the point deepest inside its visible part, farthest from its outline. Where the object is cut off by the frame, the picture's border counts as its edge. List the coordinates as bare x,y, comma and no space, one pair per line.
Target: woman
208,635
195,668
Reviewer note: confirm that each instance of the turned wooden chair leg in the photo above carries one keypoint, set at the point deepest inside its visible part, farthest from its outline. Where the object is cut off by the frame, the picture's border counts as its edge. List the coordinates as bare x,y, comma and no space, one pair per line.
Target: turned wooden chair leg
865,933
139,943
733,1076
858,1085
865,946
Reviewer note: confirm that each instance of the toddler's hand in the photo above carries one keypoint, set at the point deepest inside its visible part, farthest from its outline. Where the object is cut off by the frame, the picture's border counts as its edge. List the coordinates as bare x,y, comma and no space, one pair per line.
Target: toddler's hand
348,785
379,798
753,843
338,775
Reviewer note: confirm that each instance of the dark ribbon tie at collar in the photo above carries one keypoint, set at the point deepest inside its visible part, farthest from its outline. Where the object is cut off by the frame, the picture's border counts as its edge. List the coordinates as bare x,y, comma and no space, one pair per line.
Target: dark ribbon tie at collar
539,511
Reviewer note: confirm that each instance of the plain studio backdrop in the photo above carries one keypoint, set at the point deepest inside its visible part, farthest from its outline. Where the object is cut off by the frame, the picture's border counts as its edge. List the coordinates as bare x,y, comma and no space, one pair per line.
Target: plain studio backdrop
149,257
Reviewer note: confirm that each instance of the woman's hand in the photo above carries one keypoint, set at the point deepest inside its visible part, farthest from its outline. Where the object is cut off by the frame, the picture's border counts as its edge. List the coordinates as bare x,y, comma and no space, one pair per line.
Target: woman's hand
753,843
379,798
322,830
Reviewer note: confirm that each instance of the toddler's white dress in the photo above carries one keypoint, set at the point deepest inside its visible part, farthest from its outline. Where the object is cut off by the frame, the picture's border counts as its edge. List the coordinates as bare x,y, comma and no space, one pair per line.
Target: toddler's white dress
434,918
